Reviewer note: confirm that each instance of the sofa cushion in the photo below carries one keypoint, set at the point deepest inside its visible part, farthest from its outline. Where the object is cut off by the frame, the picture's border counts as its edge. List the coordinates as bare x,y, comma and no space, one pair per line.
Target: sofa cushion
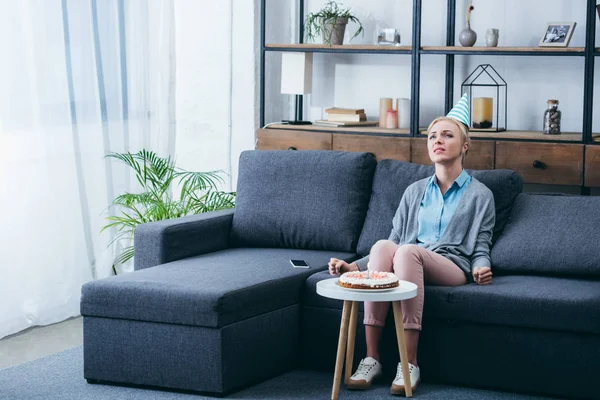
389,183
541,302
524,301
393,177
211,290
302,199
505,186
550,235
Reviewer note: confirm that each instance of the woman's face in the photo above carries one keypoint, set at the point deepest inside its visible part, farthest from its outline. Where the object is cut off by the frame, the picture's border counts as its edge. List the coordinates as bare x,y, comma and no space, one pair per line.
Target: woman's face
445,143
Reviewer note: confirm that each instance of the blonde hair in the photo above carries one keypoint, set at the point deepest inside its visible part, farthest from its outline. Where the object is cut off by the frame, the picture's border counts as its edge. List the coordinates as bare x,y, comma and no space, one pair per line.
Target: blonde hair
461,127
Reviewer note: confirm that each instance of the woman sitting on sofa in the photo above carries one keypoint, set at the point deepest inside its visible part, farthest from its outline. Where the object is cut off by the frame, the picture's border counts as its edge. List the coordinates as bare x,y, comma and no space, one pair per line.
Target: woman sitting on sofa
426,244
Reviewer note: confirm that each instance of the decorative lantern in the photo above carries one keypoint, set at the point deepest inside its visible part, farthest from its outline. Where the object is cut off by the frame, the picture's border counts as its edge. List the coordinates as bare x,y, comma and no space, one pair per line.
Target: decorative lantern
487,99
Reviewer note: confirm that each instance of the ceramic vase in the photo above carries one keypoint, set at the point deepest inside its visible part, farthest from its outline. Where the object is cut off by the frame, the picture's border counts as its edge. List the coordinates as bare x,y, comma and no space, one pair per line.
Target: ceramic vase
467,36
491,38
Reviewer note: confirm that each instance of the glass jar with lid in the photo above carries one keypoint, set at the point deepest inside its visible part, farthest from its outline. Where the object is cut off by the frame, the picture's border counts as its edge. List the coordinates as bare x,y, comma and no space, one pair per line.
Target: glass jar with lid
551,124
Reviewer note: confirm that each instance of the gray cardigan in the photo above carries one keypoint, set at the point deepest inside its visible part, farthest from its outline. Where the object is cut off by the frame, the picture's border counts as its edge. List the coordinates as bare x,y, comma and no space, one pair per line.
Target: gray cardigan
468,237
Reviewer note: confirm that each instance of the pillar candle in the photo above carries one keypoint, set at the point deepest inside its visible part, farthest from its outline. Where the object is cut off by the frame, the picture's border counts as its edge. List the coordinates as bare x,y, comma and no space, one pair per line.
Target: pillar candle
385,104
392,119
483,113
403,107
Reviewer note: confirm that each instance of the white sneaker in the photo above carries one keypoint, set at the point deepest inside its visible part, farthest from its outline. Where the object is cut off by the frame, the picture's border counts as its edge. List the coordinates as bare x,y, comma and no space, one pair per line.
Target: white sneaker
368,369
398,385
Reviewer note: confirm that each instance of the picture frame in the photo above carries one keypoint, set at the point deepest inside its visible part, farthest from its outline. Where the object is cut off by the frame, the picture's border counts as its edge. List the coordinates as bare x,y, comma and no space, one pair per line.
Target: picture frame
557,34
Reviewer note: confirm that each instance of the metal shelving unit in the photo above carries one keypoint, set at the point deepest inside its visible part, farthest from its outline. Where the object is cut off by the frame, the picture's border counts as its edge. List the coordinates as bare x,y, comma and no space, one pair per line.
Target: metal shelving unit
450,51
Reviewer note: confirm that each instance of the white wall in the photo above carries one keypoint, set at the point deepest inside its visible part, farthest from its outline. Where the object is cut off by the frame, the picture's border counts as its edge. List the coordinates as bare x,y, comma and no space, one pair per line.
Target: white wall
360,80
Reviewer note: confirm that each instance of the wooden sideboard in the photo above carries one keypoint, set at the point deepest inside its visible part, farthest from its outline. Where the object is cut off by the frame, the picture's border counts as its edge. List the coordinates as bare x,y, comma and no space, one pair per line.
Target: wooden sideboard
537,162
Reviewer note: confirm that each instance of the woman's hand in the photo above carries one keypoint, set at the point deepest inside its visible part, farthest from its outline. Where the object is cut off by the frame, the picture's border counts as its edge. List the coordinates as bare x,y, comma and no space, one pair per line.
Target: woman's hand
482,275
337,266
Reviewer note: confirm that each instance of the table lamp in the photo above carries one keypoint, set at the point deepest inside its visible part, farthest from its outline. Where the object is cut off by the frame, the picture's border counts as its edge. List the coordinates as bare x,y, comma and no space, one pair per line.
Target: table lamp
296,78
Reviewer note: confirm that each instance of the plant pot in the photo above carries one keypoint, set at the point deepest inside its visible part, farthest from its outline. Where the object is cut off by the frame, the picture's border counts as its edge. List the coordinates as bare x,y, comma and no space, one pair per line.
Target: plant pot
467,36
333,31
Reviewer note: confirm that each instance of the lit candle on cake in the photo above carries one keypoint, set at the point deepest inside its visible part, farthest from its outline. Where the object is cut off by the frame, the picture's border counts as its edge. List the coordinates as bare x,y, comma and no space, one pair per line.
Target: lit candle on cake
483,112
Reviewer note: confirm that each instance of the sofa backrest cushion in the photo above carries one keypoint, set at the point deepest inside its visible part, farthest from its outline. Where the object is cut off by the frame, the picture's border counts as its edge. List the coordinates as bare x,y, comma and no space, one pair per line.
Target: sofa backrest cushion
389,183
313,200
506,185
393,177
550,235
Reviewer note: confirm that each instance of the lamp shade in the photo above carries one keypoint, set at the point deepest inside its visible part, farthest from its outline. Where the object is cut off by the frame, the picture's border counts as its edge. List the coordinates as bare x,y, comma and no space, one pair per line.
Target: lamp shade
296,73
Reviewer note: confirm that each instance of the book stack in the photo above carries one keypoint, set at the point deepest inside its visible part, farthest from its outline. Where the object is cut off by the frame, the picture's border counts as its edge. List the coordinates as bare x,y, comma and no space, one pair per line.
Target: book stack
345,117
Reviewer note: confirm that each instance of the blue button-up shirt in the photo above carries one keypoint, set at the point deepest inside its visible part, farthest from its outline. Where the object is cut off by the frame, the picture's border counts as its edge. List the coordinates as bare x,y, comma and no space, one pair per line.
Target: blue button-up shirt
437,210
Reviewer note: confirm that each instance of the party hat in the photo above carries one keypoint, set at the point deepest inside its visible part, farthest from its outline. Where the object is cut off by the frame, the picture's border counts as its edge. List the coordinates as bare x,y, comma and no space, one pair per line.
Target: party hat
460,111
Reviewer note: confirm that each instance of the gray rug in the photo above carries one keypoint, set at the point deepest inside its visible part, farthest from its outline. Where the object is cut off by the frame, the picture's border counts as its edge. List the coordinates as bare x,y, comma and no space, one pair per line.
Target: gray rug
60,376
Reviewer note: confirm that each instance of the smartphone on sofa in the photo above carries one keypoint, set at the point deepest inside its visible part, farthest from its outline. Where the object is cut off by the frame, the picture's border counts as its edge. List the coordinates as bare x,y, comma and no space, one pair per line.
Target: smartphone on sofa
299,264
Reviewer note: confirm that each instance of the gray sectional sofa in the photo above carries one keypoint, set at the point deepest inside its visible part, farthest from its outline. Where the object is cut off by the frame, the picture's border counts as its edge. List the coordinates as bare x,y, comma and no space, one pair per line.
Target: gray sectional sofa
214,304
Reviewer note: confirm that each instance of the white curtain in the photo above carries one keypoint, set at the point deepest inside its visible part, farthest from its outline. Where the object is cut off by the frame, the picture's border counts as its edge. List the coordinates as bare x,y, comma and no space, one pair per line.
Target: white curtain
78,79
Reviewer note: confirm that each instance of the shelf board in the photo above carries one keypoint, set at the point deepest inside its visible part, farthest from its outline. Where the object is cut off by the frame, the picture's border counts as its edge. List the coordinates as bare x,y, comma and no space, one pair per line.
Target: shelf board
526,135
345,48
505,50
510,134
341,129
530,135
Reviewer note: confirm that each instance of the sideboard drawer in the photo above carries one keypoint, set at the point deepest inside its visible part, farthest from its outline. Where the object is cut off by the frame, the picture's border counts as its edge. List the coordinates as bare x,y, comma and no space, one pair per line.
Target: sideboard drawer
279,139
547,163
480,155
592,166
382,147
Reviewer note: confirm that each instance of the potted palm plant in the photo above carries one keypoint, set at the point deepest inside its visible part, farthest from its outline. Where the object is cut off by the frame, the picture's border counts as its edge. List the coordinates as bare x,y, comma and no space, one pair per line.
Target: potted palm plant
159,178
331,23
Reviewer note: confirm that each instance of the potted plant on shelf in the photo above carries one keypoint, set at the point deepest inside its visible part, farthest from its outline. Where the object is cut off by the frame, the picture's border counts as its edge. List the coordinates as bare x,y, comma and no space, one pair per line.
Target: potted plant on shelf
331,23
159,178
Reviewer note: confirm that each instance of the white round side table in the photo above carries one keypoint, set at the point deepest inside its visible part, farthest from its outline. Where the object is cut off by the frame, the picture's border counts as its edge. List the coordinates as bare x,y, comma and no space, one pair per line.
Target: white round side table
329,288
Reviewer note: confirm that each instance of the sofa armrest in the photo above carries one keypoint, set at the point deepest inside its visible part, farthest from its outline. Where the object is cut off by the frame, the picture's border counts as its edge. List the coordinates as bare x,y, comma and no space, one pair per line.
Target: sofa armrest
174,239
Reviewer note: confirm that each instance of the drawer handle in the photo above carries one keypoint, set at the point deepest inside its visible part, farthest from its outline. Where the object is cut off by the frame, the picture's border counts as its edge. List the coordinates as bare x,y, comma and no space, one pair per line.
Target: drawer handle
539,164
292,148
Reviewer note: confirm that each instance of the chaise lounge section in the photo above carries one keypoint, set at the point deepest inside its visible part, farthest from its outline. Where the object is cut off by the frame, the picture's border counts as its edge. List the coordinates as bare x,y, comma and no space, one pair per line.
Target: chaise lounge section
214,303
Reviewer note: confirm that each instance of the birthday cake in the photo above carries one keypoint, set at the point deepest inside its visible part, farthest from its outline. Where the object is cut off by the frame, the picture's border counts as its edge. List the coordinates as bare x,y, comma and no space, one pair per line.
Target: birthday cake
368,280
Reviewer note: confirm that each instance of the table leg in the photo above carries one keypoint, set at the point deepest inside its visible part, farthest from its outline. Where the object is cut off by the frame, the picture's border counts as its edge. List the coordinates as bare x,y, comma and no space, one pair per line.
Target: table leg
339,361
398,319
351,340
